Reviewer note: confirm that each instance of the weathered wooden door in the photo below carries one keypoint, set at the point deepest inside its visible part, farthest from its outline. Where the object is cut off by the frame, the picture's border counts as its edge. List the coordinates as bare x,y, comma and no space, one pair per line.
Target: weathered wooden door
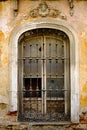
43,71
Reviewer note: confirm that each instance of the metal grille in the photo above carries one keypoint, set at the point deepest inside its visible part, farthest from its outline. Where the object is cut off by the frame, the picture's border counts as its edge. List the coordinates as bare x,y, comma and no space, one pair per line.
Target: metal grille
44,92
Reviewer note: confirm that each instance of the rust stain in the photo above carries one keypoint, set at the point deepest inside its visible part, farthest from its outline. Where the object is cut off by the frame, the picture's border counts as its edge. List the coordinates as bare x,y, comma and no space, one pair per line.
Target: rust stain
3,105
14,113
83,70
83,117
83,48
83,101
5,59
85,44
0,51
84,88
83,98
3,49
1,35
0,6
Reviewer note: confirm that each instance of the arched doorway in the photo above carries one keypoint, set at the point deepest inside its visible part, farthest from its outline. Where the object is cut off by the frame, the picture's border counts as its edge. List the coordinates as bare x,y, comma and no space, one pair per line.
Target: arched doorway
72,74
44,75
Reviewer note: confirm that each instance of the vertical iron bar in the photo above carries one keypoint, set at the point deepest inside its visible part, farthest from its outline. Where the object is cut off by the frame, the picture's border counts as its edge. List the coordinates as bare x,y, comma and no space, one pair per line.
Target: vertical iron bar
30,96
30,82
37,94
56,59
56,50
56,91
43,81
50,58
44,77
23,74
37,87
50,50
24,90
50,61
50,102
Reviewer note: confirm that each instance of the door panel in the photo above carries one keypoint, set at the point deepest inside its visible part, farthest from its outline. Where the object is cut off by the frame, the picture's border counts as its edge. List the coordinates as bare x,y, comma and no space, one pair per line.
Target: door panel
42,84
32,54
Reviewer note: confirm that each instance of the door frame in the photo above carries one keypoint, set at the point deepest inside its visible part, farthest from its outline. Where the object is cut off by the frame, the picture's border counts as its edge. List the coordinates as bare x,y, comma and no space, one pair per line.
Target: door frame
74,61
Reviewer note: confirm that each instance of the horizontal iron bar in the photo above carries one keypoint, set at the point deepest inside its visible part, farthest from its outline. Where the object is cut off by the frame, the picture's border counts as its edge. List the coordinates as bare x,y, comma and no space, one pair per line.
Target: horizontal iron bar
39,58
45,90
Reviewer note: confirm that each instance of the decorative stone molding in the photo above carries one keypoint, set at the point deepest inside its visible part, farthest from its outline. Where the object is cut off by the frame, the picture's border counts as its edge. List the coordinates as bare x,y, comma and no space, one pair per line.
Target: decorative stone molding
43,10
16,2
71,5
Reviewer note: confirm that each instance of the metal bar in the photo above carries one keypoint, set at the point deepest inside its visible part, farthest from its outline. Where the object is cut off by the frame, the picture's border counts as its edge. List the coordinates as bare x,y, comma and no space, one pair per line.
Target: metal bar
56,50
44,76
37,87
30,92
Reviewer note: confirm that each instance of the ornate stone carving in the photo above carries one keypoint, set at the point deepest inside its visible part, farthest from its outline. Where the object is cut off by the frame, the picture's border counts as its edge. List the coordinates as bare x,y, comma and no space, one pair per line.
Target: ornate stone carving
71,5
16,2
43,10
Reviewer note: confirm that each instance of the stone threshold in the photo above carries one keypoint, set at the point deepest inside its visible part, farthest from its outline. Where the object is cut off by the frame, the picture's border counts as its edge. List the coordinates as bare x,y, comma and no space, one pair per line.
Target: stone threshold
37,123
41,126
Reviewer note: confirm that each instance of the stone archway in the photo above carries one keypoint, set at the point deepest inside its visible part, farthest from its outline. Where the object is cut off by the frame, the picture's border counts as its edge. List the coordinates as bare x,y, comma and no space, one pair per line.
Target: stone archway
74,73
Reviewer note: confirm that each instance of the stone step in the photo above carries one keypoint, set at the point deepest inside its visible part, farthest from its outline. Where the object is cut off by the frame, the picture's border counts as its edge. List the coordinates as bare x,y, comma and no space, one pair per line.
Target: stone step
41,127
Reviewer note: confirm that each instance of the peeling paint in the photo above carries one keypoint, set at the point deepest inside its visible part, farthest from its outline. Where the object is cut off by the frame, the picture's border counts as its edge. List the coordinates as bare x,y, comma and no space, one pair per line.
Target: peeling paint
1,35
84,95
83,69
0,6
84,88
12,113
3,105
83,101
